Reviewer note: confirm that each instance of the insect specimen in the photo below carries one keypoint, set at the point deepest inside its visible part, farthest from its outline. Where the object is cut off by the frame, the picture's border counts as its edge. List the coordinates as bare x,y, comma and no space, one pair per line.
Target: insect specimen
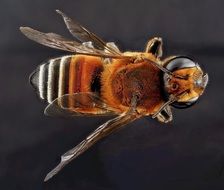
97,79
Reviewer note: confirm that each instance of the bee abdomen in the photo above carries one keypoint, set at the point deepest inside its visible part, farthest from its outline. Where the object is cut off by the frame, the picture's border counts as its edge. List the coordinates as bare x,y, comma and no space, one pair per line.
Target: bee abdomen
67,75
50,79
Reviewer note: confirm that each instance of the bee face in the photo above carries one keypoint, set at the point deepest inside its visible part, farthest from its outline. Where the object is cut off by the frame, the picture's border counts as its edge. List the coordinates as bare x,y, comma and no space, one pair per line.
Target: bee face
189,86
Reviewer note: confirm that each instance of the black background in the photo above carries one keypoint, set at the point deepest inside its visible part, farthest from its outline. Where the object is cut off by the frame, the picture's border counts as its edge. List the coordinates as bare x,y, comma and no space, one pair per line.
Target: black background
186,154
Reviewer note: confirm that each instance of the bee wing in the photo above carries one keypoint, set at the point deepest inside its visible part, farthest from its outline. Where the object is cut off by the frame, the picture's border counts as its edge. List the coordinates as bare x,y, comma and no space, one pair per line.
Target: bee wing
107,128
79,104
82,34
58,42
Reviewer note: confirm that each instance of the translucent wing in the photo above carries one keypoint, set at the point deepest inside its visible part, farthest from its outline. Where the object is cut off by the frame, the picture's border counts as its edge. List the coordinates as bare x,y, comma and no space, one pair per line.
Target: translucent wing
84,35
50,39
79,104
58,42
102,131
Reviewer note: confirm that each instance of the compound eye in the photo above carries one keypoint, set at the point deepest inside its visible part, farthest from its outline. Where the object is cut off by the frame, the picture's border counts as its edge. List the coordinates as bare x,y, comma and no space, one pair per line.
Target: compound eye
174,86
182,105
180,62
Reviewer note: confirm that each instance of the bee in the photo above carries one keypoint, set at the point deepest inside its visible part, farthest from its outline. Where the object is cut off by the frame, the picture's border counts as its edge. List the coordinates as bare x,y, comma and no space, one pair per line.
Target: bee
97,79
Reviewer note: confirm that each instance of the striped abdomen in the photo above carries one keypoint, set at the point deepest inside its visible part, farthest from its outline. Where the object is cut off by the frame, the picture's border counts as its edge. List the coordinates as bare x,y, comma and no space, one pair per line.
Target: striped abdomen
67,75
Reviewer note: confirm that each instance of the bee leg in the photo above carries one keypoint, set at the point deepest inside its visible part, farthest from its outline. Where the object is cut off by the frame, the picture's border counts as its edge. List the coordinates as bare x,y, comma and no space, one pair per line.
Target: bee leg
164,113
154,46
165,116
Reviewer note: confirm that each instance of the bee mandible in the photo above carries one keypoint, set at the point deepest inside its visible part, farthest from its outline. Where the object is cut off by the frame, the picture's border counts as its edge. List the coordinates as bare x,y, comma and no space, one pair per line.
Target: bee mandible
97,79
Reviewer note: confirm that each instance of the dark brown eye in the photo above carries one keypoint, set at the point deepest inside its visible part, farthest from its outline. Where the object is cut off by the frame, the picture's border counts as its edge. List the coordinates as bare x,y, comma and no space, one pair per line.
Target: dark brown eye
174,86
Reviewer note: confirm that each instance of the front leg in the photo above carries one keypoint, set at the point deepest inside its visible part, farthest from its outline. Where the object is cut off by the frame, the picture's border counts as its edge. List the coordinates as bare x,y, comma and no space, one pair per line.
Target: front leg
165,116
154,46
164,113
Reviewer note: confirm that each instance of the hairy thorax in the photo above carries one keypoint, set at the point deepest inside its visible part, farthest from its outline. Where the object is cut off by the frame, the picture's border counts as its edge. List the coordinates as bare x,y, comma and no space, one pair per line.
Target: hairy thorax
121,80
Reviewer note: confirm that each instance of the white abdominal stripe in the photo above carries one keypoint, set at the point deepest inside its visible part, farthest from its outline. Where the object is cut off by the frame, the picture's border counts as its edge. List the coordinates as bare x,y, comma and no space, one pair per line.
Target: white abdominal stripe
51,79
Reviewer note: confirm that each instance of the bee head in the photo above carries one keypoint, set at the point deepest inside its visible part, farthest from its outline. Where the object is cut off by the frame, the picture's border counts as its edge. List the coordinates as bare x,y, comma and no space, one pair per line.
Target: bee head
187,81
